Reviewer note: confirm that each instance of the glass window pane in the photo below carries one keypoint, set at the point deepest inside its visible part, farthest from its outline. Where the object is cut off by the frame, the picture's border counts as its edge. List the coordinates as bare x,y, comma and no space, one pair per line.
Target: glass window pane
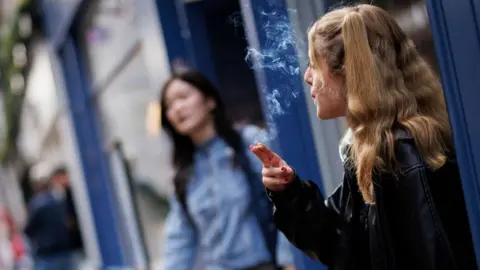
109,32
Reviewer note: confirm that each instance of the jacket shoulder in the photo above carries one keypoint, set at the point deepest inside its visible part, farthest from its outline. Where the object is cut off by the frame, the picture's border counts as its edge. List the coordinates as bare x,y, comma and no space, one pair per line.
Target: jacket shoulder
407,154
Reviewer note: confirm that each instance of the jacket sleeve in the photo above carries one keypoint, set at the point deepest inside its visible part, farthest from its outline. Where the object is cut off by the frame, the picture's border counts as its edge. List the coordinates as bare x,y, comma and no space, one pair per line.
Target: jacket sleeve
181,240
309,223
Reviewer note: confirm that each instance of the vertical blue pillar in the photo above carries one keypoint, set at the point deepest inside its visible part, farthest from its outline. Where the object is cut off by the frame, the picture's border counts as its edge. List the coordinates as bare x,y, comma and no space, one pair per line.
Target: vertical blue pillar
186,35
456,32
276,64
175,33
199,39
93,159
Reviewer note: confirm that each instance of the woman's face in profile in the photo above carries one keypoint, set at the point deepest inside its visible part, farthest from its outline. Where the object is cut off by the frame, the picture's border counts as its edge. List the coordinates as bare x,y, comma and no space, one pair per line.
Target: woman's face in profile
327,90
187,109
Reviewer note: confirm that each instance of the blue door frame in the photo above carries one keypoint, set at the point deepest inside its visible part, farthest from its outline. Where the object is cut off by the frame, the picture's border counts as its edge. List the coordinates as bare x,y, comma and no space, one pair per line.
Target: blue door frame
96,170
185,34
456,32
175,34
58,19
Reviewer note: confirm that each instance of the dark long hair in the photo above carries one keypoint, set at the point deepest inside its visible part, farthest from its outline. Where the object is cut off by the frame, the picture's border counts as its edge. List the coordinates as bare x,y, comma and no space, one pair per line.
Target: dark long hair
183,146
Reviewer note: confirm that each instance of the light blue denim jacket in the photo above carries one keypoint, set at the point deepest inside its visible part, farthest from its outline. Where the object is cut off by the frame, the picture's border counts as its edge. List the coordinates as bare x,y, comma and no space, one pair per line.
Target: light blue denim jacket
226,232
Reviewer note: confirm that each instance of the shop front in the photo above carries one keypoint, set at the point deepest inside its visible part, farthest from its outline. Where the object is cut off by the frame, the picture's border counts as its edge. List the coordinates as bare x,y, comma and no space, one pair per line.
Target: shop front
114,61
125,63
45,142
82,128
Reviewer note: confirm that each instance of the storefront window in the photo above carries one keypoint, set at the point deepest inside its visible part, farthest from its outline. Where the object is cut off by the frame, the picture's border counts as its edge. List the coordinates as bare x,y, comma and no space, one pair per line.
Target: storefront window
109,31
114,46
40,105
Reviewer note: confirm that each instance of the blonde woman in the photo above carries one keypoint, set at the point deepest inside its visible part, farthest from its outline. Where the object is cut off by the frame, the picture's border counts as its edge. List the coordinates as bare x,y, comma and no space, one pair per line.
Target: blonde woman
400,205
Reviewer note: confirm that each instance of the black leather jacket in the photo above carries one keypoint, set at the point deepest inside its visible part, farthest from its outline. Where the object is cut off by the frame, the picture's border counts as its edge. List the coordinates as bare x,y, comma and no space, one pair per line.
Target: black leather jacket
419,220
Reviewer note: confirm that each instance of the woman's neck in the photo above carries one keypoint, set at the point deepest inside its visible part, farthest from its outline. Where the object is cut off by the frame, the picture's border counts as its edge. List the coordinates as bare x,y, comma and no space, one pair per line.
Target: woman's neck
204,134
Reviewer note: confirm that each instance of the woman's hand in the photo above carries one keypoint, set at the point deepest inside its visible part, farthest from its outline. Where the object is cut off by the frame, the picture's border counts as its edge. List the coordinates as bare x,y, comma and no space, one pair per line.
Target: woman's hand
276,172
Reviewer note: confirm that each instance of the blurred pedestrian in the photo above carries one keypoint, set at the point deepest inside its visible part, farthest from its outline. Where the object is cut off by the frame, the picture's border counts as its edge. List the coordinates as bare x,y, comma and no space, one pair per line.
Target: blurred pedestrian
401,204
219,211
48,230
61,185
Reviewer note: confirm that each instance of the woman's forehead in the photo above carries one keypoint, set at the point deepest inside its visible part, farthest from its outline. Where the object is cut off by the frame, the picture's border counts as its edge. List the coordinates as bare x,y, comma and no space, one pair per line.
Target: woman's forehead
178,87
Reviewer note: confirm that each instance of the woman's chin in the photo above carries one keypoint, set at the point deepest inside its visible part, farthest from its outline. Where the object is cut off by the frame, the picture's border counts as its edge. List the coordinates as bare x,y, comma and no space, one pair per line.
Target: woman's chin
322,115
185,129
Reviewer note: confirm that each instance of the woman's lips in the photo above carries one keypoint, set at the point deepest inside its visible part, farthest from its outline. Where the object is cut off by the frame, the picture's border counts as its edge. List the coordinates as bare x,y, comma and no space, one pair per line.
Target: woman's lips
314,99
182,119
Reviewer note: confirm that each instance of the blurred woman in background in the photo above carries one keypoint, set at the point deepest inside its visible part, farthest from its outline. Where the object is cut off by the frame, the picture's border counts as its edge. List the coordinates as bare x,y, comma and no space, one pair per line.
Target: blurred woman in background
219,209
401,204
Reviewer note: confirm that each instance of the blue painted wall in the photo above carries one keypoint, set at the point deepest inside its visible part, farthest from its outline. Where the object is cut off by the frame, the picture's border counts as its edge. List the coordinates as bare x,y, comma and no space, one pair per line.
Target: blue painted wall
185,34
199,39
456,31
175,33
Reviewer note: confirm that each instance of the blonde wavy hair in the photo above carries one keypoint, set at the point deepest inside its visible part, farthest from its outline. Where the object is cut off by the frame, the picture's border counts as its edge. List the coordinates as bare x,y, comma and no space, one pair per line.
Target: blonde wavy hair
388,85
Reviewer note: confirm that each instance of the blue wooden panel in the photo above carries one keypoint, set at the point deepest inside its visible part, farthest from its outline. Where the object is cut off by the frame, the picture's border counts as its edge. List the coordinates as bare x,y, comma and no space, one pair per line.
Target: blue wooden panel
175,33
96,171
276,66
58,17
455,26
185,34
199,40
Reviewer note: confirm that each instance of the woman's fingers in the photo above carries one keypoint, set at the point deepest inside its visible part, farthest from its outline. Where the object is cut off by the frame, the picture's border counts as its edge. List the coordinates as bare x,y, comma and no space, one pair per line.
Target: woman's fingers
274,184
273,158
276,173
267,156
260,155
276,178
262,147
282,172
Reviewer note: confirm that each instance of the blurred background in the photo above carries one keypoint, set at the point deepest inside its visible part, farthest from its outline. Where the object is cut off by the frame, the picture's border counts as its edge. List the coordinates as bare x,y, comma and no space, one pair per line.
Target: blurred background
80,83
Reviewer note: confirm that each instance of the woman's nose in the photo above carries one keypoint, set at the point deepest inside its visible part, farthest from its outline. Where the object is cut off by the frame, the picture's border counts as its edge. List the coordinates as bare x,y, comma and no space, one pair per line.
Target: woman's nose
174,108
308,76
